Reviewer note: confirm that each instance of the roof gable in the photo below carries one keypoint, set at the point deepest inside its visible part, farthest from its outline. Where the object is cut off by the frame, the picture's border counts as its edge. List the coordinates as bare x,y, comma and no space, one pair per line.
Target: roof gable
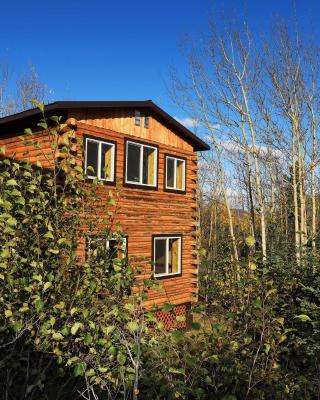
62,107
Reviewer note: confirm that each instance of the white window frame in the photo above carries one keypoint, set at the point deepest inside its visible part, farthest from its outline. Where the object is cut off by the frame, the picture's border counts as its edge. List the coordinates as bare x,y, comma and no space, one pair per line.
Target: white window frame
141,164
167,238
176,159
100,143
124,240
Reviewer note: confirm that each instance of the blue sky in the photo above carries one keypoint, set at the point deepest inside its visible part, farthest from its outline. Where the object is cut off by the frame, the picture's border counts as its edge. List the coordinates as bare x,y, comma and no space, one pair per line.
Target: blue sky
119,50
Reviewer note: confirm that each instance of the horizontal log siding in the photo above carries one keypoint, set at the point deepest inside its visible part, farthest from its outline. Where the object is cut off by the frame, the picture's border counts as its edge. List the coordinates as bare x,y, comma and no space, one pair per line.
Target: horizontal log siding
16,148
143,213
140,212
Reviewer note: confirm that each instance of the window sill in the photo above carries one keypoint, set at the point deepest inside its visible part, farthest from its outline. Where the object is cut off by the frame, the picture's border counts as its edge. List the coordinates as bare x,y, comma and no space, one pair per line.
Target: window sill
105,182
177,275
176,191
140,186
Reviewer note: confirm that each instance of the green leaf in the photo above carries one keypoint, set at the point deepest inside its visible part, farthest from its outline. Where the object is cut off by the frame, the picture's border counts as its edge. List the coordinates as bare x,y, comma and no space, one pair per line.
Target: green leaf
48,235
8,313
39,305
55,118
167,307
250,241
177,335
252,266
46,286
57,336
303,317
12,182
179,371
280,320
78,369
75,327
73,310
196,326
267,348
53,251
12,221
269,292
132,326
38,104
110,329
121,358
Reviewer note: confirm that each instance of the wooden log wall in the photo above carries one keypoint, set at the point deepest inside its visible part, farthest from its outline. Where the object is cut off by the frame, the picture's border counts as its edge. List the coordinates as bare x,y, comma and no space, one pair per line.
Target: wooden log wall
141,212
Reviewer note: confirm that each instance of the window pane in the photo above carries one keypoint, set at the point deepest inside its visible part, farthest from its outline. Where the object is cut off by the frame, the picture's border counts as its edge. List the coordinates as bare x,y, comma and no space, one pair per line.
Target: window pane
160,256
148,166
112,248
92,158
170,172
133,162
106,161
173,256
137,118
117,248
180,174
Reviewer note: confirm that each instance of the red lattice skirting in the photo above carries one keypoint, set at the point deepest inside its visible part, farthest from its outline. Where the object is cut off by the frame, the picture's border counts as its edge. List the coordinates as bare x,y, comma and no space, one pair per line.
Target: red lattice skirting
169,319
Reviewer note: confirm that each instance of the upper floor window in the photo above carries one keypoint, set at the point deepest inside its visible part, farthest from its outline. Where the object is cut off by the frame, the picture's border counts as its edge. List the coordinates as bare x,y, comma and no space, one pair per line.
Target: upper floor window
146,121
175,173
167,255
100,159
137,117
141,164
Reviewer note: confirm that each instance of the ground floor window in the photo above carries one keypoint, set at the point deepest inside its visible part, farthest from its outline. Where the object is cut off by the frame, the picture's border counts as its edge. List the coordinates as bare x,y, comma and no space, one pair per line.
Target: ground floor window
166,255
107,250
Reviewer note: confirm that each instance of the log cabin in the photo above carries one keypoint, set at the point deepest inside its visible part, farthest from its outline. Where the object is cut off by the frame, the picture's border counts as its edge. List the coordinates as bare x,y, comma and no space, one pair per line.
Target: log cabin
155,157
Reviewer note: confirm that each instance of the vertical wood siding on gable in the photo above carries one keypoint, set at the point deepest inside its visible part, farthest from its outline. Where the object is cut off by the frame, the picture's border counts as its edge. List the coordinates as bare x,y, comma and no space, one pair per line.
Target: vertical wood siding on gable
122,120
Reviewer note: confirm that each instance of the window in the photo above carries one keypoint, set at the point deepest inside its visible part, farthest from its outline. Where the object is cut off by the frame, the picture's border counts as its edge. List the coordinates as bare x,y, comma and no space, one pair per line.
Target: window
107,250
141,164
99,159
175,173
167,255
137,117
146,122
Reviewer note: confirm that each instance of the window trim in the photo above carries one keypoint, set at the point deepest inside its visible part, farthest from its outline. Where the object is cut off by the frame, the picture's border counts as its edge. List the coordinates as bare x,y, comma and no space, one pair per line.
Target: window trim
140,185
173,190
167,236
114,163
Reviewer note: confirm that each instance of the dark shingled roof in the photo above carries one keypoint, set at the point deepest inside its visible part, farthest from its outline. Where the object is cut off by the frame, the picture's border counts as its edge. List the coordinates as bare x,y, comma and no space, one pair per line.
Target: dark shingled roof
60,107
